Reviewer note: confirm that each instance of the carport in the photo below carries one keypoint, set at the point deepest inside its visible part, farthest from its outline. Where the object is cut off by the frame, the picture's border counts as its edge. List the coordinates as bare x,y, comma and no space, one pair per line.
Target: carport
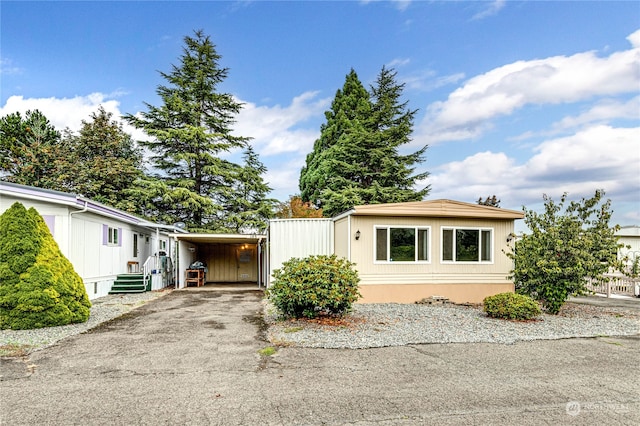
229,258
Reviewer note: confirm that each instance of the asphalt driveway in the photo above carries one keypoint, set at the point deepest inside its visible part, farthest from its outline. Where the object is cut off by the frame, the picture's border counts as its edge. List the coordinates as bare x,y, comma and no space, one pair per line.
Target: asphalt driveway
191,357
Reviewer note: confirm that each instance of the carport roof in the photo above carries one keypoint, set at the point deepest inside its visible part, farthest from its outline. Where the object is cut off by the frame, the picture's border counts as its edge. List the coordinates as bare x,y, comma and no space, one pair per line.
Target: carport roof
220,238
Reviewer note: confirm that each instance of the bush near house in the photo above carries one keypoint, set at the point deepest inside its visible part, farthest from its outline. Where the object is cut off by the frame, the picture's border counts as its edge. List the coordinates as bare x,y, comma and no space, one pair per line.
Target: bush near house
511,306
38,285
314,285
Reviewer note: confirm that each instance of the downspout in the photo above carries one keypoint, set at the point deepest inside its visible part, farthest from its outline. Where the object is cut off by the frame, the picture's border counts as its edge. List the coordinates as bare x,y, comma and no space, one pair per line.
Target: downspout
84,210
349,239
259,251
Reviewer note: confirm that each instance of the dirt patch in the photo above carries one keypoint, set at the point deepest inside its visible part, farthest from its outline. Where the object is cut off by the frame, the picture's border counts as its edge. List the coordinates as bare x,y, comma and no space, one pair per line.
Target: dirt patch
214,324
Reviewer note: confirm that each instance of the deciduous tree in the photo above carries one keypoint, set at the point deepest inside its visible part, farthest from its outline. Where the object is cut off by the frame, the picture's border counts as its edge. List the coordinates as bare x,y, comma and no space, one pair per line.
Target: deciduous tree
568,245
103,162
294,207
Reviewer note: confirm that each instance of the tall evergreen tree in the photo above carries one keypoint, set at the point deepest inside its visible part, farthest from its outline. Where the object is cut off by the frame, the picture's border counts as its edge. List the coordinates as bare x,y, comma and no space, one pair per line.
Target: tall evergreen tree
102,163
350,106
247,208
191,130
29,150
356,160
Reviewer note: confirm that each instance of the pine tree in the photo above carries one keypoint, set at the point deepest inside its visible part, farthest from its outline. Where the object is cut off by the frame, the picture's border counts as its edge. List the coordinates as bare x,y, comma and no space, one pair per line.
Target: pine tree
191,130
356,160
29,150
247,208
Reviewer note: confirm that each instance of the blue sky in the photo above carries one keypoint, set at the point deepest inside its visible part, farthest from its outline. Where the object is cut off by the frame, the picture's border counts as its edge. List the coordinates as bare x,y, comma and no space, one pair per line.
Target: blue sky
517,99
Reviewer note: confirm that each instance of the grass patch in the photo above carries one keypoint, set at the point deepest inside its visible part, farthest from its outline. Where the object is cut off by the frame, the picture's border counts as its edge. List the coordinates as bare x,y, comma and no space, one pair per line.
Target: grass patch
293,329
268,351
14,350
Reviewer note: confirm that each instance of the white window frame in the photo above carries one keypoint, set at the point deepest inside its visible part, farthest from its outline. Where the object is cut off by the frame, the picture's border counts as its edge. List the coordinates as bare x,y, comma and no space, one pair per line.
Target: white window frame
416,228
113,237
454,239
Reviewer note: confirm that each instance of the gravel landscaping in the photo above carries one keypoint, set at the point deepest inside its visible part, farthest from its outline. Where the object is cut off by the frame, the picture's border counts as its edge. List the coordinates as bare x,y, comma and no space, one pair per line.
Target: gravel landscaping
380,325
103,309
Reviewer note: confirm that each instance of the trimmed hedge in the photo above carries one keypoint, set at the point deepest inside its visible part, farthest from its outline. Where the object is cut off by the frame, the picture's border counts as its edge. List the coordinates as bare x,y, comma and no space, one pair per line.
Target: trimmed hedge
511,306
38,285
314,285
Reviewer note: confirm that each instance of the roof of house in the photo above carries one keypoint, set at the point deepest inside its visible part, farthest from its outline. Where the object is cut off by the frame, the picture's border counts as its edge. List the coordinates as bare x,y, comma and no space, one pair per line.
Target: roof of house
78,202
629,231
434,208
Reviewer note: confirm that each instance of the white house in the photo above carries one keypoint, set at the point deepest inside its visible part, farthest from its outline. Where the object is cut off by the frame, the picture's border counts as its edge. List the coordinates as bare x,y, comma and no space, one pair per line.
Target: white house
100,241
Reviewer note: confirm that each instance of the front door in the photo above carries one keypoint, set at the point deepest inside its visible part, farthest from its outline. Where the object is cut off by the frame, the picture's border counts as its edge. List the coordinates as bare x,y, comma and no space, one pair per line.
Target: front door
246,263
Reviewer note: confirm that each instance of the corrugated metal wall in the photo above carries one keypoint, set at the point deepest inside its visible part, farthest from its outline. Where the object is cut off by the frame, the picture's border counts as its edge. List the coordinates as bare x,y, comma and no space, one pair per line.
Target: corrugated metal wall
298,238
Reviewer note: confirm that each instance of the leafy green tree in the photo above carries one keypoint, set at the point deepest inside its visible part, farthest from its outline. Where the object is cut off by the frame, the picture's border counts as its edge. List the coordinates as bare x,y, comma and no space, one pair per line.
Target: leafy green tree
356,160
191,130
30,149
247,208
103,162
38,285
567,246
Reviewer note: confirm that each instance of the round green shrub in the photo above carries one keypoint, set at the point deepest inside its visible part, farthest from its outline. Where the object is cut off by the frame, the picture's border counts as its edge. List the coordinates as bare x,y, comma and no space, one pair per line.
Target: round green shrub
511,306
314,285
38,285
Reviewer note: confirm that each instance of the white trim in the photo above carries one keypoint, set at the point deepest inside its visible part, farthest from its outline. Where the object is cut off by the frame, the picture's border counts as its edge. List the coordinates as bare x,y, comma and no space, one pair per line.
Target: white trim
405,262
453,248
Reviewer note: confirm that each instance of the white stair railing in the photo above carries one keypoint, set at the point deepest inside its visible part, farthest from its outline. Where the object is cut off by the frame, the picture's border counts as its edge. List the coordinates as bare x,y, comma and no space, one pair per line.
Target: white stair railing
149,265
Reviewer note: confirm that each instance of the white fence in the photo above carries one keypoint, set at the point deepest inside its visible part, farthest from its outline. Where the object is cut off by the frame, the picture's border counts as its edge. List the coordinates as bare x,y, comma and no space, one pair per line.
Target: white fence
616,284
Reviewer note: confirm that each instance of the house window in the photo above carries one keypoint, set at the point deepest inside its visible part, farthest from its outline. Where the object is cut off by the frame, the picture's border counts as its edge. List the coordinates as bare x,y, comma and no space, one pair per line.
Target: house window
467,245
135,245
401,244
111,236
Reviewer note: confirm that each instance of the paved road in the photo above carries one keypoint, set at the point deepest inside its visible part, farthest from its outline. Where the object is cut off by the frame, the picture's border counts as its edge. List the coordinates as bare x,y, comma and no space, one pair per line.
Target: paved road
191,358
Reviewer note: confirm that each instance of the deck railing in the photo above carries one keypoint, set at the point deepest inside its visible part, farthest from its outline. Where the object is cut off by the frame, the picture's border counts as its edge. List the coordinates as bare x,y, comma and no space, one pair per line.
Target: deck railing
615,284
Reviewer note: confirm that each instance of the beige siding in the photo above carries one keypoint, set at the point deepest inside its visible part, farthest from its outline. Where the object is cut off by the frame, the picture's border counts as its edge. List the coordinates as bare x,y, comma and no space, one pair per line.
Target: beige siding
408,282
229,262
407,293
362,250
342,237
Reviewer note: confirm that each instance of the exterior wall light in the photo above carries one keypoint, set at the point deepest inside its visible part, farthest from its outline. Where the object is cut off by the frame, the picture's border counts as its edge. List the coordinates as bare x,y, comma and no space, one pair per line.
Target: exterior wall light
358,234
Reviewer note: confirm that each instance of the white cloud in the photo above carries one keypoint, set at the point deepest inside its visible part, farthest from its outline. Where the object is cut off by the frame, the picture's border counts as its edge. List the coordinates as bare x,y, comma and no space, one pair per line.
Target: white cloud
398,62
599,157
426,80
401,5
68,113
276,129
468,111
603,111
491,9
7,67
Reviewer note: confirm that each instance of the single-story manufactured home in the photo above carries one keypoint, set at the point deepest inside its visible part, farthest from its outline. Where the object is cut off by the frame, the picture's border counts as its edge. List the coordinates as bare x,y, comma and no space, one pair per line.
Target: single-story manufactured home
403,252
101,242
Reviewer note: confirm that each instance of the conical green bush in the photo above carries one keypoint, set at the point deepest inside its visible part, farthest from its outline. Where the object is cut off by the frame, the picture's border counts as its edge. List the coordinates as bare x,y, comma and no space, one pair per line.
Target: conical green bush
38,285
